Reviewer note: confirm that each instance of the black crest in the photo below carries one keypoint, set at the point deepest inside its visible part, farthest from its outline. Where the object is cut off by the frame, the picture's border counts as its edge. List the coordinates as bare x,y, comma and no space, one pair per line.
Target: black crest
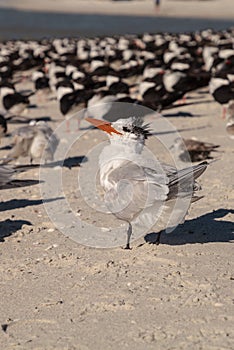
138,128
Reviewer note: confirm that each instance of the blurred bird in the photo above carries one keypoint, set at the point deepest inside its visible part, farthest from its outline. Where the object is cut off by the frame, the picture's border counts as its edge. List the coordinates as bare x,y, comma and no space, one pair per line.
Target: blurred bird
72,101
130,186
35,141
41,84
222,90
14,102
193,150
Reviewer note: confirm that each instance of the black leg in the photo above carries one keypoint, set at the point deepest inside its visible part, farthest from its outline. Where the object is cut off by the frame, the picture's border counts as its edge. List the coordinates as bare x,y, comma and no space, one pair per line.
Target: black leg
129,233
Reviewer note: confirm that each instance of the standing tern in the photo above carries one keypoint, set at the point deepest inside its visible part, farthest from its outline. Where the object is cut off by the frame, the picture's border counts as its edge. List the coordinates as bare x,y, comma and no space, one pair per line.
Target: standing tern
130,186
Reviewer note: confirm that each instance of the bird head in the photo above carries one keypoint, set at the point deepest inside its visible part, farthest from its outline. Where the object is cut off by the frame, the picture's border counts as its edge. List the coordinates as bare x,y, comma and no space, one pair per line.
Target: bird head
129,132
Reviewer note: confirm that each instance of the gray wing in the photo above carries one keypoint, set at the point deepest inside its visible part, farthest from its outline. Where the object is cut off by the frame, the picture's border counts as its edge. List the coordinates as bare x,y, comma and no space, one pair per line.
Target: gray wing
182,182
182,186
135,188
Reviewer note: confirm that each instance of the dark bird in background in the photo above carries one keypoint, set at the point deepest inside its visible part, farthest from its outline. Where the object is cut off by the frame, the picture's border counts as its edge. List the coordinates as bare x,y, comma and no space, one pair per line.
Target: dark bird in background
14,102
41,83
72,101
222,90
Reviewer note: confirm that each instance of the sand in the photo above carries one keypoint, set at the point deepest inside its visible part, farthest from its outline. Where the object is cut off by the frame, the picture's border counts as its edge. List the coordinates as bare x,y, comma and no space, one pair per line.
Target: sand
58,294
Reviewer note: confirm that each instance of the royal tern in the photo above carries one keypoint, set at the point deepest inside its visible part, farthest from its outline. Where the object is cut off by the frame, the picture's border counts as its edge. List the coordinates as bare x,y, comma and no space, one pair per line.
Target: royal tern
130,186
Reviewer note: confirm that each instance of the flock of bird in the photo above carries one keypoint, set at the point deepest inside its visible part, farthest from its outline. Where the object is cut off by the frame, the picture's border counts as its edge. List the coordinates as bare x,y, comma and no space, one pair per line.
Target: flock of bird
150,70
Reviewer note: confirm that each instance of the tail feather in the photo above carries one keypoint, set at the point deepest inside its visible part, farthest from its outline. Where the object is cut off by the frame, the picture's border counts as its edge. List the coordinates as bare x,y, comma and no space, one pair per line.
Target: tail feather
184,175
182,183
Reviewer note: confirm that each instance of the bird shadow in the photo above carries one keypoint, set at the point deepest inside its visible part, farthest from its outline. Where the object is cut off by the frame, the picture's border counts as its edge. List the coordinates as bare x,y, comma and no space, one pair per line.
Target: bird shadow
23,203
188,104
8,227
5,148
178,130
182,114
32,106
25,91
44,119
25,120
70,162
203,92
20,183
204,229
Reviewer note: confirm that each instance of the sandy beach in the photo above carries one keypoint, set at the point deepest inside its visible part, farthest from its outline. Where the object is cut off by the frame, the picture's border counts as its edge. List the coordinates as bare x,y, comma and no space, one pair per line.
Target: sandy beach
58,294
61,295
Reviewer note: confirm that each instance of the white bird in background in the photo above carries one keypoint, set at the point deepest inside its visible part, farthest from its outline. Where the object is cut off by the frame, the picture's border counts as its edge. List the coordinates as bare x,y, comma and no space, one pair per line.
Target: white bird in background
36,140
132,187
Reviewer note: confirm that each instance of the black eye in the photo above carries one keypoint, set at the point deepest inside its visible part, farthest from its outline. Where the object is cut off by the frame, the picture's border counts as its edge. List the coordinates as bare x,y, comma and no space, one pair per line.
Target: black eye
125,128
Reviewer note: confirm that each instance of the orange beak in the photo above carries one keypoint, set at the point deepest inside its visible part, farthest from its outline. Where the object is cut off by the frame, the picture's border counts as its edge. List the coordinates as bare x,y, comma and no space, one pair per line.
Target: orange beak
103,125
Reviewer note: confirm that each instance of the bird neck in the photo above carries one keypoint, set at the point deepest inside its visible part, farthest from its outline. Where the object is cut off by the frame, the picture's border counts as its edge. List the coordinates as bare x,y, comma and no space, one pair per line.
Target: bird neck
116,153
112,157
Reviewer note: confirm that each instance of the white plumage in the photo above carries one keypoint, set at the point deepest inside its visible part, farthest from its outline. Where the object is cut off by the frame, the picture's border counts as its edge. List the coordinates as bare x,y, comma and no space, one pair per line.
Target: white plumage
134,184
